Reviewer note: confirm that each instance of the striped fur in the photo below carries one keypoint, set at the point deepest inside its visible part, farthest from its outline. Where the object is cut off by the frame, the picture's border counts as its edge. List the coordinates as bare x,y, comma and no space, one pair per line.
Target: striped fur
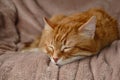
64,37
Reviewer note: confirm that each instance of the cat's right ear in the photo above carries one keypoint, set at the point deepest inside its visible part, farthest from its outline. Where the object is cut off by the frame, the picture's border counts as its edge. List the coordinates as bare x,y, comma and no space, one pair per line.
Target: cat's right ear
88,29
48,24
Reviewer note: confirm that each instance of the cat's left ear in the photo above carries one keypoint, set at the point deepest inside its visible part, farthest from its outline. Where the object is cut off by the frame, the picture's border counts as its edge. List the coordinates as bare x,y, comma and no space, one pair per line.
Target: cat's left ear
88,29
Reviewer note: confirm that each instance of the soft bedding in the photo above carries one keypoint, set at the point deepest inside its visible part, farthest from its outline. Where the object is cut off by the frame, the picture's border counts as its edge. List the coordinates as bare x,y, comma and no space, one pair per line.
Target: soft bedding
21,21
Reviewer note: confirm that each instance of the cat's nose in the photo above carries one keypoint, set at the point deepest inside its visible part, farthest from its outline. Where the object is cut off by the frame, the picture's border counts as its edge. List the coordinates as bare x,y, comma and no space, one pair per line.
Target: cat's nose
56,59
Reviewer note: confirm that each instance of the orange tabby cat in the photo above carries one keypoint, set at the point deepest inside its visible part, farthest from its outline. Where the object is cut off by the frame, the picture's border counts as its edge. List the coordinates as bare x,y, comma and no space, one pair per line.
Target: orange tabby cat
69,38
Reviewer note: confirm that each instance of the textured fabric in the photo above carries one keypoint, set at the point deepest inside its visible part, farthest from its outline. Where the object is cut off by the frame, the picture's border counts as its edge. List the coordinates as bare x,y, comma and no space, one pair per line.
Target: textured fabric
21,21
8,31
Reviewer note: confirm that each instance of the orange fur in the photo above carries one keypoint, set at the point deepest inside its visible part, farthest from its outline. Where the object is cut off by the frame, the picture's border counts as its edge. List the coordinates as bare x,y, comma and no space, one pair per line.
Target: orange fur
62,37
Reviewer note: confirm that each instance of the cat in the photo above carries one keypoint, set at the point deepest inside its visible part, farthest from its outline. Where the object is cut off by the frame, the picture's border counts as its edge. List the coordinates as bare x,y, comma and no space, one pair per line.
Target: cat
69,38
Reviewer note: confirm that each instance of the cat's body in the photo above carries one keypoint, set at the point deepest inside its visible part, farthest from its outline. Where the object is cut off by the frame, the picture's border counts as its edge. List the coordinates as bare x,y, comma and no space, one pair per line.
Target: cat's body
69,38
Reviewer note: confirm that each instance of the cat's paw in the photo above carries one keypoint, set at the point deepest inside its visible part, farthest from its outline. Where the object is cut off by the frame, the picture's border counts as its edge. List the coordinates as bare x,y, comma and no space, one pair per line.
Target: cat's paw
62,61
30,50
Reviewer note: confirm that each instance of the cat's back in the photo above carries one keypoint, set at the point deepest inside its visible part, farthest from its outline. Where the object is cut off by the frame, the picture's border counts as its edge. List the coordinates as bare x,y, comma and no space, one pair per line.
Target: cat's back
106,26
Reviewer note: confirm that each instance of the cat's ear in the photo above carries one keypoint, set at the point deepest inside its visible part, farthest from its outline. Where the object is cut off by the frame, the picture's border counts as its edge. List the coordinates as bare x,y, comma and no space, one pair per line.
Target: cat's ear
88,29
48,24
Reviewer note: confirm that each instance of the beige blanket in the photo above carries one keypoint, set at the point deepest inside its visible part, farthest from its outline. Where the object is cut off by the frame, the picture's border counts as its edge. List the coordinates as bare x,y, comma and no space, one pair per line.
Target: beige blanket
21,21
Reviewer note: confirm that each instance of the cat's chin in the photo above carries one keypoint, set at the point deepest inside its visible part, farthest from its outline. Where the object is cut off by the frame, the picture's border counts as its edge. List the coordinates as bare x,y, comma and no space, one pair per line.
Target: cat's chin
62,61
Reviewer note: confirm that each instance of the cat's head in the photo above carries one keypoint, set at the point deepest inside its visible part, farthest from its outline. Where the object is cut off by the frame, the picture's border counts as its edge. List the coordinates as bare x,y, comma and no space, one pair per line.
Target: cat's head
65,43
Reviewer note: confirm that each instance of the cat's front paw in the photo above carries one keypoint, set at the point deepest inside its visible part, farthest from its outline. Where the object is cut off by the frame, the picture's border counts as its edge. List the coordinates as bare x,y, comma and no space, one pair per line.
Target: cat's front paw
62,61
30,50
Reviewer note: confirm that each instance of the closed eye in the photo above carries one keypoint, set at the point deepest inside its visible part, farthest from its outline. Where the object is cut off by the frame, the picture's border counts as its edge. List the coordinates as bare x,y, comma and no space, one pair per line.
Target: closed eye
51,48
66,49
